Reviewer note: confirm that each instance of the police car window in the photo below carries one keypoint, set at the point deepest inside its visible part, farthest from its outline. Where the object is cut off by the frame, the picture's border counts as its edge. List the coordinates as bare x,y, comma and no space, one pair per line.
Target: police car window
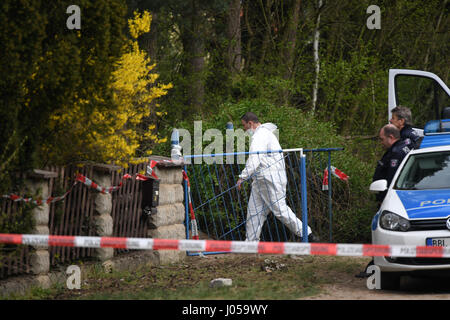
424,96
425,171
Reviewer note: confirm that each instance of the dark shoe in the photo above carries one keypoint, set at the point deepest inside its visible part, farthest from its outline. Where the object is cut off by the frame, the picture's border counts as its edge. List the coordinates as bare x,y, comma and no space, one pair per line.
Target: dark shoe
362,274
311,238
365,274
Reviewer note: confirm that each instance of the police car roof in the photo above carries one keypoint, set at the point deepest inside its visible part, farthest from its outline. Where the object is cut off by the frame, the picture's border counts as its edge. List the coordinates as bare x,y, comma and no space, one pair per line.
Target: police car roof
437,133
435,140
434,144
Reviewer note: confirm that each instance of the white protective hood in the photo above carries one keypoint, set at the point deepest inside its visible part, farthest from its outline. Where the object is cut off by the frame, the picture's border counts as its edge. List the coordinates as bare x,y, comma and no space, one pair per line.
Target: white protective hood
270,126
269,165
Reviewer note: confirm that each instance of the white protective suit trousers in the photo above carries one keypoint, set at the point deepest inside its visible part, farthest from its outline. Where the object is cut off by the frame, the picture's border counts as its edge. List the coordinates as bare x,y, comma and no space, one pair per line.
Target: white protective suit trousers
269,196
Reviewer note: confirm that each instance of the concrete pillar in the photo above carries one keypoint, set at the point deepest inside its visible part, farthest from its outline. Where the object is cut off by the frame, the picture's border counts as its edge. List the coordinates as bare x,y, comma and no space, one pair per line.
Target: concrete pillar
37,183
102,208
168,221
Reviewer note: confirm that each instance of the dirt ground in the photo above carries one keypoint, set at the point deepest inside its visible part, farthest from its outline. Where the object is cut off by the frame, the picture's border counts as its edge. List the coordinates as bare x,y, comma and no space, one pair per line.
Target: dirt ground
346,286
412,289
349,287
335,277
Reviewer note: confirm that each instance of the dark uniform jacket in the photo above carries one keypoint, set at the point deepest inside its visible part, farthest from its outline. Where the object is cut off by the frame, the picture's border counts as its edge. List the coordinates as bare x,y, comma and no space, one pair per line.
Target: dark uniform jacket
410,137
389,164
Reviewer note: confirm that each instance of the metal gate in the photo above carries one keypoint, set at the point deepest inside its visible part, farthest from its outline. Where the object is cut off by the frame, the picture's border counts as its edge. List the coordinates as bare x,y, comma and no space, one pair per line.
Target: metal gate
220,208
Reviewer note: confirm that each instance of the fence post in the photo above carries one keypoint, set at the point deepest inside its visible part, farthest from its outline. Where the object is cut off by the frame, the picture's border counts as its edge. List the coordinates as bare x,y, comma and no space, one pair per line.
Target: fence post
102,175
330,211
38,184
168,220
304,196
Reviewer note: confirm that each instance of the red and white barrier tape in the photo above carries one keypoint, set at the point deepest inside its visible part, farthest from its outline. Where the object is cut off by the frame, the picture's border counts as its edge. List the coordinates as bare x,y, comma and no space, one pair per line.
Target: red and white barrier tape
150,167
295,248
79,178
38,202
194,228
88,182
336,172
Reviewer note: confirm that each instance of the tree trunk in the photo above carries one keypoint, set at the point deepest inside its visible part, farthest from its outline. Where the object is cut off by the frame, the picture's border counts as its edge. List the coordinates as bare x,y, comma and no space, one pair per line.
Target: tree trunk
290,40
247,58
149,40
316,58
289,45
234,54
267,37
194,61
433,37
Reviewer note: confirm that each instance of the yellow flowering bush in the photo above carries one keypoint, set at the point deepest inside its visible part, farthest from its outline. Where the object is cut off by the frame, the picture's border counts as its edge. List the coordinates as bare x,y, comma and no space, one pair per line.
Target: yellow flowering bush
114,134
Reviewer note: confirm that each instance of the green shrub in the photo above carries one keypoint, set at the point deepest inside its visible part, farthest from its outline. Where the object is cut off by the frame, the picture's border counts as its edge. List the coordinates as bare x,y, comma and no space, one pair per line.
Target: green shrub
353,205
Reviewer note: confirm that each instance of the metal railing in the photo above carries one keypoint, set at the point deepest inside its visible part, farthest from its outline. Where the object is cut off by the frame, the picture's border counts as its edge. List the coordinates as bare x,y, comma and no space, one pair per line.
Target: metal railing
221,208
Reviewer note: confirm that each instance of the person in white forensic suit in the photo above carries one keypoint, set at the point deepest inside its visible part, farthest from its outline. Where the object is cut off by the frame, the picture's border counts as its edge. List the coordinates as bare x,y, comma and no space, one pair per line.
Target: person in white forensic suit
268,173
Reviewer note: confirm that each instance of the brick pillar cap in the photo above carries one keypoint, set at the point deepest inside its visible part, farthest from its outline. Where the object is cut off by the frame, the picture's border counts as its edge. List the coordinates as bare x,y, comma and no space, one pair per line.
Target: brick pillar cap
42,174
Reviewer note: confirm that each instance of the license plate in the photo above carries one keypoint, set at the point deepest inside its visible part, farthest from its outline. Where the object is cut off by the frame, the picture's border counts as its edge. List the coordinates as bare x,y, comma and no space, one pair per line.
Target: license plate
438,242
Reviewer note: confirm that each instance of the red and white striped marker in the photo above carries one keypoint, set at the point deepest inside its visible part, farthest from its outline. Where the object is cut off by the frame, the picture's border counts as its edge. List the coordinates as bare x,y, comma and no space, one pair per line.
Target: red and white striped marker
194,228
38,202
88,182
325,180
336,172
150,169
79,178
294,248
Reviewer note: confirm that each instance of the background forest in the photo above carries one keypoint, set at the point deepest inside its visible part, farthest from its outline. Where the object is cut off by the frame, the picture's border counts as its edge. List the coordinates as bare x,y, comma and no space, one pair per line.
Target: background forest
114,89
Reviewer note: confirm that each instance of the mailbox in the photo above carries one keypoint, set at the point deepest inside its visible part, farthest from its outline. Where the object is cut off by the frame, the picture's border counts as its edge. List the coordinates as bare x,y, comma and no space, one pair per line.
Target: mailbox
150,196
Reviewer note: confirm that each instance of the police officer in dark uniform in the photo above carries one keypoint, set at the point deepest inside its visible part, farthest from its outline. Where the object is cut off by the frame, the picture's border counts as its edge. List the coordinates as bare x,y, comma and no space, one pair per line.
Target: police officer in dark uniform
396,150
410,136
402,119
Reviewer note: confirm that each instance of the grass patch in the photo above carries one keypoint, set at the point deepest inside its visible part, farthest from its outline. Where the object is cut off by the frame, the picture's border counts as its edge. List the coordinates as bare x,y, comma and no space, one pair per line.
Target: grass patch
255,277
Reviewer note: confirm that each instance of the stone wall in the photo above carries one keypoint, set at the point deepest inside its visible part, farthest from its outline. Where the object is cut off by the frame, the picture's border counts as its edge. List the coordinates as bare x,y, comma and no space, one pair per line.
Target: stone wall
102,209
166,222
37,183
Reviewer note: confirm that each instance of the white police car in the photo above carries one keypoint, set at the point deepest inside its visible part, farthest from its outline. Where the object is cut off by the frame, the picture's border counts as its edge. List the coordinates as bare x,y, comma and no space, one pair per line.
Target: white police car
416,209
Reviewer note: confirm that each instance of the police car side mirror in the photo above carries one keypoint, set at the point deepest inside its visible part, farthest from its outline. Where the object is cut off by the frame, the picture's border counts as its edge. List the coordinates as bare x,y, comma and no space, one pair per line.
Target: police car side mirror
378,186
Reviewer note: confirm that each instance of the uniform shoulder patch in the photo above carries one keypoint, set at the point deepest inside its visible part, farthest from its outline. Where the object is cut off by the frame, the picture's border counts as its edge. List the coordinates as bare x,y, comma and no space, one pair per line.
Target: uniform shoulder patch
394,162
